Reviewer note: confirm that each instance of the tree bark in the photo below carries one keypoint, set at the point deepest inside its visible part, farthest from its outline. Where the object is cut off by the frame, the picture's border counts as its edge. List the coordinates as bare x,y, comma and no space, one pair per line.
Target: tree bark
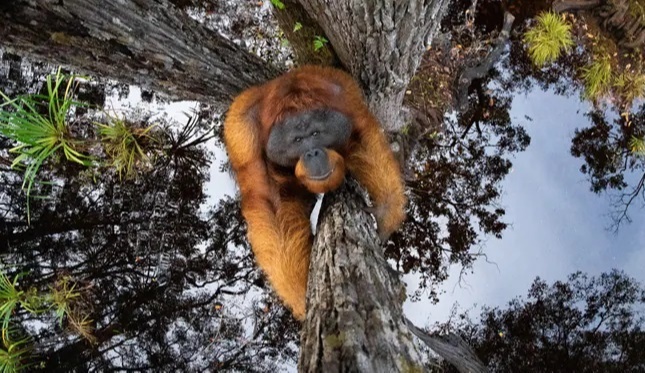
149,43
381,43
301,40
574,5
355,320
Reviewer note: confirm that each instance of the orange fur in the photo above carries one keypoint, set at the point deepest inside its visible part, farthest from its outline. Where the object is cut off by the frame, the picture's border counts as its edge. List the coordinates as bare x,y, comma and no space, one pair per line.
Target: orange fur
277,206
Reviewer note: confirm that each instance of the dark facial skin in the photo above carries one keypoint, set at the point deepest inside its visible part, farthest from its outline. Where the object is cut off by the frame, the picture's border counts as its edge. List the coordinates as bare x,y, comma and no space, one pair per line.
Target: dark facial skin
317,164
306,135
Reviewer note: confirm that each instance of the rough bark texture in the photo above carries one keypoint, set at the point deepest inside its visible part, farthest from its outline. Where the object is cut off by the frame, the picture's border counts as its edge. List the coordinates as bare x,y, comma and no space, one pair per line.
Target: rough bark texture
149,43
354,319
381,43
621,17
301,40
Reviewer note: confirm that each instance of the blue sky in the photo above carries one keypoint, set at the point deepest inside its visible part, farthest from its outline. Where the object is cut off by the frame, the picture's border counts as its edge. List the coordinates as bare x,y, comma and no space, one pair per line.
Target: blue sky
558,225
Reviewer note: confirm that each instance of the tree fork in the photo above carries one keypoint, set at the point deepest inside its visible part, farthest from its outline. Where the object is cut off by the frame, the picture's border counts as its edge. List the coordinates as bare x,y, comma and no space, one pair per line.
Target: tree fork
481,69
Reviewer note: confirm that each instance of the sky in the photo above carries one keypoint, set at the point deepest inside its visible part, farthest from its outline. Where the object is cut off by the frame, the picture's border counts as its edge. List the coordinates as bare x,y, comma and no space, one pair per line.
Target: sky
557,225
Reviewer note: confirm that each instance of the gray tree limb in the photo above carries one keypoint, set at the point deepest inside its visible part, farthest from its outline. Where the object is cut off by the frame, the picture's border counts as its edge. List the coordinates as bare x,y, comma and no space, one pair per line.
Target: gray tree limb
149,43
354,320
451,348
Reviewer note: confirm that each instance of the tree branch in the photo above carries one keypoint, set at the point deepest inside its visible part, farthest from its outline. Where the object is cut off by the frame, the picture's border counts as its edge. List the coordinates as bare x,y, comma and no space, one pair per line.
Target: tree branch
479,71
451,348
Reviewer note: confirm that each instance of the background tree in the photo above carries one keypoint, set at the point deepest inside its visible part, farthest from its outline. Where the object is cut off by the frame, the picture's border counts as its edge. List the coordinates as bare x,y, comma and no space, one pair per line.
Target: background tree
606,68
586,324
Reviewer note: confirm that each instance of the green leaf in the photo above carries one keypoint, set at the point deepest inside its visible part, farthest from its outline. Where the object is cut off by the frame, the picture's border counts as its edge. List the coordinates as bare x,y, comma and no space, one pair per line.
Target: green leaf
38,136
278,4
319,42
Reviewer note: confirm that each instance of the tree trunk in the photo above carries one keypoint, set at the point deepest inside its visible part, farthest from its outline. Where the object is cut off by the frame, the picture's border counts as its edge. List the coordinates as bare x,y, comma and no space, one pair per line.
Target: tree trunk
301,39
381,43
355,321
149,43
